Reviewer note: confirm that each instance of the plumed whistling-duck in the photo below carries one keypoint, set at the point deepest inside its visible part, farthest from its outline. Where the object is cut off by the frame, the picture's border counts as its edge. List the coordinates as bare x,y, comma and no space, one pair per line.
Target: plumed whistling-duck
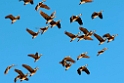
47,17
101,40
83,68
35,56
27,1
44,29
83,55
84,1
84,37
21,75
76,18
110,37
34,34
55,23
8,68
97,14
30,69
12,18
101,51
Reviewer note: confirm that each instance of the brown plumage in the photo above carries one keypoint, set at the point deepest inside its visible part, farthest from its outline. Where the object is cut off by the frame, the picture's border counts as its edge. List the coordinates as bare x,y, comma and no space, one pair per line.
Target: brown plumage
109,37
16,78
76,18
34,34
84,1
30,69
12,18
44,29
101,51
35,56
47,17
83,68
69,59
97,14
72,36
21,75
83,55
55,23
27,2
41,5
8,68
84,37
101,40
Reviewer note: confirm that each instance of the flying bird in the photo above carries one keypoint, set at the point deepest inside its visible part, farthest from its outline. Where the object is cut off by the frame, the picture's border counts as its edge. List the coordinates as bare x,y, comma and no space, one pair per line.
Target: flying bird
21,75
47,17
34,34
8,68
84,1
55,23
101,40
30,69
97,14
44,29
12,18
35,56
76,18
101,51
110,37
83,68
84,37
72,36
83,55
41,5
27,2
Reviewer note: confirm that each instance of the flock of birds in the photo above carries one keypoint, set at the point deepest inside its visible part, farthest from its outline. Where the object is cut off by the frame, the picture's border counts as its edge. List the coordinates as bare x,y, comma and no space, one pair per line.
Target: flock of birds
66,61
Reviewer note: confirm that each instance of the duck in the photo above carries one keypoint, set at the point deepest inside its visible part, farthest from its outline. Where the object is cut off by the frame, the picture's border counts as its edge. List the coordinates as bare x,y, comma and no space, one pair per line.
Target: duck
83,55
110,37
12,18
83,68
21,75
85,37
34,34
35,56
30,69
101,51
99,38
55,23
85,1
44,29
97,14
76,18
27,2
72,36
8,68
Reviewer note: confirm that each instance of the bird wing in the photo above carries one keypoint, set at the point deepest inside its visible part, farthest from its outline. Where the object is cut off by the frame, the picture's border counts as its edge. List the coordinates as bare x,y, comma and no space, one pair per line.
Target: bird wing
27,67
44,6
30,31
100,15
107,35
85,70
16,78
71,18
98,37
79,20
85,56
69,34
32,55
6,70
79,70
69,59
19,72
84,30
94,14
45,16
10,17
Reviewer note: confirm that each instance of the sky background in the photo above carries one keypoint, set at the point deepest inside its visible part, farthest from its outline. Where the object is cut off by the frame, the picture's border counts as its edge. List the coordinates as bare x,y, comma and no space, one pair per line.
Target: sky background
54,45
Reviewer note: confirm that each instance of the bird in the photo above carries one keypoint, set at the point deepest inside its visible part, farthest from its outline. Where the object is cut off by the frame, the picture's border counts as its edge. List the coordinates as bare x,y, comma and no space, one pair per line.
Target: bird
84,37
12,18
34,34
72,36
8,68
97,14
68,59
16,78
84,1
67,66
21,75
47,17
101,40
30,69
86,32
83,68
101,51
76,18
41,5
55,23
110,37
44,29
83,55
35,56
27,2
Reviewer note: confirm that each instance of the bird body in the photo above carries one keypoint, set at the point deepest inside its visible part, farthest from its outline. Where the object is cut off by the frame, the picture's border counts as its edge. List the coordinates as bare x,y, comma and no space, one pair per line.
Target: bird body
27,2
55,23
35,56
97,14
8,68
83,55
101,51
84,1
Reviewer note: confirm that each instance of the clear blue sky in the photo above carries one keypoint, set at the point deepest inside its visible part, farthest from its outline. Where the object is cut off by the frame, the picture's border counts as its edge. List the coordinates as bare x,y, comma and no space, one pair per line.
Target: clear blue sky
54,45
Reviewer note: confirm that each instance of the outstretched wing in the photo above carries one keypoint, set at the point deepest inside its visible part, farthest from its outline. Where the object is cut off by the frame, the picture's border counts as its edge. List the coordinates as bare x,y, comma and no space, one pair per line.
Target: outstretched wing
27,67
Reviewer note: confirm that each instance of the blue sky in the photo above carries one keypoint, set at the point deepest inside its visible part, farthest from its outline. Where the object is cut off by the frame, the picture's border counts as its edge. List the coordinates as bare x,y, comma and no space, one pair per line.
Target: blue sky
54,45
